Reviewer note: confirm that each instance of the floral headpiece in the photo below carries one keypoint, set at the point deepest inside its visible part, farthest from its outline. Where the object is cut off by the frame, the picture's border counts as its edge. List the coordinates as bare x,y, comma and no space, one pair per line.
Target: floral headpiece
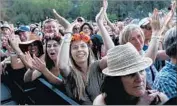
81,36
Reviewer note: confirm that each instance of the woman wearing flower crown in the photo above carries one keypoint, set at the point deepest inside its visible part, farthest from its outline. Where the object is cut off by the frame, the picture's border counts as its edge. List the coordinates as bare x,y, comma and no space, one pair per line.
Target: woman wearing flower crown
75,60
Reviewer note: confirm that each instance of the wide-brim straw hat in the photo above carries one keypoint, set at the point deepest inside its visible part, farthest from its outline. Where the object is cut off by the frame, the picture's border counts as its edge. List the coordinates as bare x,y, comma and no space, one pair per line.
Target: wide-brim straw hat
124,59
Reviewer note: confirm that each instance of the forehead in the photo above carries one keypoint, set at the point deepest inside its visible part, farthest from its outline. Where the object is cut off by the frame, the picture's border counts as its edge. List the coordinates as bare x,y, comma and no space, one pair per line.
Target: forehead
135,33
50,23
77,43
52,42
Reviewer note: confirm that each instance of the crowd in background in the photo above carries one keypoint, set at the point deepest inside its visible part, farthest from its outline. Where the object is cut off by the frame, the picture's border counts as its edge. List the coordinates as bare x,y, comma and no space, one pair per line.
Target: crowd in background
123,63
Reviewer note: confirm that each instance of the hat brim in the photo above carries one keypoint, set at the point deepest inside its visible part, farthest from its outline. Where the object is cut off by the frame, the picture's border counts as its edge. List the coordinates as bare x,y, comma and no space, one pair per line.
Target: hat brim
24,45
143,64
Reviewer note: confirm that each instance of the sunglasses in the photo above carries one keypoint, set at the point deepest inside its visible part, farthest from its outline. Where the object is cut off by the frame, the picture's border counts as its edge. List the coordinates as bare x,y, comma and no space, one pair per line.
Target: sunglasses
147,27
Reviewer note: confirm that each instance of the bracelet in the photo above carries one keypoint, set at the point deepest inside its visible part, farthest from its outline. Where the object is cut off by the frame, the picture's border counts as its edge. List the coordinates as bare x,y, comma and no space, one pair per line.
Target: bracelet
13,54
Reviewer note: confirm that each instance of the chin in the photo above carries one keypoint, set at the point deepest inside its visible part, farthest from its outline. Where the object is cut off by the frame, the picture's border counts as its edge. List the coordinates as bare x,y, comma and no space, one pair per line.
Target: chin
139,93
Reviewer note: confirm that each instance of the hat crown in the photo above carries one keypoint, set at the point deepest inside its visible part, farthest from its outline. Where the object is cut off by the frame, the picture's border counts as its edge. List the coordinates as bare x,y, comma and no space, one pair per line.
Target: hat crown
122,56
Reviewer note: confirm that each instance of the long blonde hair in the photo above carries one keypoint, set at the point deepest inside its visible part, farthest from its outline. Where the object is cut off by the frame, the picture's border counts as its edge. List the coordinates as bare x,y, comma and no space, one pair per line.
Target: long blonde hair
79,84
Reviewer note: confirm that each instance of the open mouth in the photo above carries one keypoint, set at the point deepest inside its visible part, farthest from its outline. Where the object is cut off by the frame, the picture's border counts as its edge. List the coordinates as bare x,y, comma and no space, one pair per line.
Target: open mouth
52,54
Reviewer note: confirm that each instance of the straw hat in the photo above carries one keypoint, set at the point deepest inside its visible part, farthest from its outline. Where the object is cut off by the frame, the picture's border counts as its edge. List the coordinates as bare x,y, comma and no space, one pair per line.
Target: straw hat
124,60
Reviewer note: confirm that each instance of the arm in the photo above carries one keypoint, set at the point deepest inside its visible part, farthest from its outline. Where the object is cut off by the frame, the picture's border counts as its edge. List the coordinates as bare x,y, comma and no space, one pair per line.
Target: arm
16,62
31,75
51,77
161,54
39,65
154,43
105,35
63,56
61,20
14,41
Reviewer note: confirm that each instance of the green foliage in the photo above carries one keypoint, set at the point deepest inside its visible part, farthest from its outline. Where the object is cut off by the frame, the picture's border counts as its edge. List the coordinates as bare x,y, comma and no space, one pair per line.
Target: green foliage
32,11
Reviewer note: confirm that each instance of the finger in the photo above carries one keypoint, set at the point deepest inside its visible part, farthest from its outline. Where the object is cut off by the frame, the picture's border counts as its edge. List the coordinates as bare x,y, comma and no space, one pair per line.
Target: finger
152,91
153,95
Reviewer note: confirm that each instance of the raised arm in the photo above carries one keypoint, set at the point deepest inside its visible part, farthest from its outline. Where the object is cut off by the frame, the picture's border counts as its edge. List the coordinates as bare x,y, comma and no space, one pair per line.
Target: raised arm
63,56
154,43
14,41
105,35
168,18
108,43
115,30
61,19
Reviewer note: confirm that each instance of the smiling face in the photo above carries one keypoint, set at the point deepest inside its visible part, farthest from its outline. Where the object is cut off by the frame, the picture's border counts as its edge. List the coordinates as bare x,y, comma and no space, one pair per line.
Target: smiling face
135,84
51,27
4,41
79,51
33,49
137,40
53,49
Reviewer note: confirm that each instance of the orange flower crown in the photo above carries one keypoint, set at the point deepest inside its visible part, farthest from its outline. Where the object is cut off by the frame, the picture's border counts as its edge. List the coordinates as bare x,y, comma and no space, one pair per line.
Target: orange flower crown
81,36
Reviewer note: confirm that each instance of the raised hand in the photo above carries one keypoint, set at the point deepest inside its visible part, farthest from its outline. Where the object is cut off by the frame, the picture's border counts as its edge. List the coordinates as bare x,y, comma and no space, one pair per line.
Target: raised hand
100,16
38,64
28,60
64,22
14,41
169,16
105,5
155,22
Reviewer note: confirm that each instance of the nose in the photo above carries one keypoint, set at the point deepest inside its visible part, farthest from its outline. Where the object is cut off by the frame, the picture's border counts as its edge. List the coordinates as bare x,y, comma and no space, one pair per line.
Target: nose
52,47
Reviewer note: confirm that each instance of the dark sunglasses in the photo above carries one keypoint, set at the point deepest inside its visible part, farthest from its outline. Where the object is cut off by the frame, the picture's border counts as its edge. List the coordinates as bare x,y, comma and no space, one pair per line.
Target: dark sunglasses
147,27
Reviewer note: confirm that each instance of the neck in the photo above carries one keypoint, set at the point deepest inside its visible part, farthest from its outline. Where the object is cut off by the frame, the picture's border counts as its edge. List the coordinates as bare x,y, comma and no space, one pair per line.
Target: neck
83,66
174,60
146,42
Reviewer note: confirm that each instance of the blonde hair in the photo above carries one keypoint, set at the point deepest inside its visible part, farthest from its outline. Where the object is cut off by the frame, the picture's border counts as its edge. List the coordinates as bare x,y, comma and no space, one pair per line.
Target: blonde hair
79,84
125,34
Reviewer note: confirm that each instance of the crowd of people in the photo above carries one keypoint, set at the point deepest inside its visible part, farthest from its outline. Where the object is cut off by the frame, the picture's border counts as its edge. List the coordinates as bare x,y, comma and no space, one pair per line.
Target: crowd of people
98,62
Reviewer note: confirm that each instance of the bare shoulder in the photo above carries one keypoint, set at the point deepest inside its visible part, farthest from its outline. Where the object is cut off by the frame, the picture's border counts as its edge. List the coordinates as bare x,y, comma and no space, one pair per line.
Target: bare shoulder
99,100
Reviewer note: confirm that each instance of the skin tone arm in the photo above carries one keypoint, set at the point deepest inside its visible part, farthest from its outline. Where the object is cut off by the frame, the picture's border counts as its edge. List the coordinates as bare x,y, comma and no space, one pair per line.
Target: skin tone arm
105,35
154,43
63,56
14,41
61,19
40,65
31,74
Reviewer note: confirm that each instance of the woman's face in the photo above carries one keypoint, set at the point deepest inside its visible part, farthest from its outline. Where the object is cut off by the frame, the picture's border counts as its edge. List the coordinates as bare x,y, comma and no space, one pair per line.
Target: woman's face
135,84
33,49
79,51
53,49
4,41
137,40
86,29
